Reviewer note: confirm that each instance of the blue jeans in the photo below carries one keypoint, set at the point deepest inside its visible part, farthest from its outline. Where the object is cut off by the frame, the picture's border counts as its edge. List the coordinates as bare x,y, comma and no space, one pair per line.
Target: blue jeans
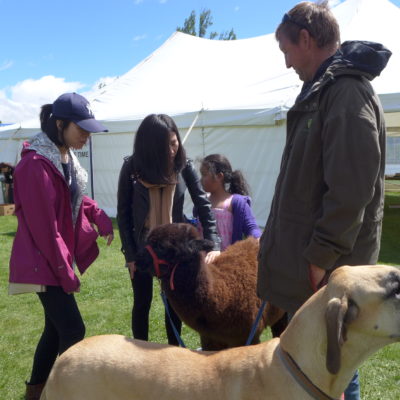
353,390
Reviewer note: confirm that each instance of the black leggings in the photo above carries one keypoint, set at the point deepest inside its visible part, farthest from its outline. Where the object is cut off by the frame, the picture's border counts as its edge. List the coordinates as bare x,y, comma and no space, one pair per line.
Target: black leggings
142,285
63,327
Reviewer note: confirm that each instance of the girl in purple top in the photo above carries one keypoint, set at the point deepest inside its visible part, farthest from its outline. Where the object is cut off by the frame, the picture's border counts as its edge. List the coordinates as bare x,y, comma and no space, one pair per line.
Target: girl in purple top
229,199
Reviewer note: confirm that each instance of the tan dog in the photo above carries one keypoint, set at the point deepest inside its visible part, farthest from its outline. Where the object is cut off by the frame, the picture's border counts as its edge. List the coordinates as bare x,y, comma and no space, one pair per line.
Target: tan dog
329,337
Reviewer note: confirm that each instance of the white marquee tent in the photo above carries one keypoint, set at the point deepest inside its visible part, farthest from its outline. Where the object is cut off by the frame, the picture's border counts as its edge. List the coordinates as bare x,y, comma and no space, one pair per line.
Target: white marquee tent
230,97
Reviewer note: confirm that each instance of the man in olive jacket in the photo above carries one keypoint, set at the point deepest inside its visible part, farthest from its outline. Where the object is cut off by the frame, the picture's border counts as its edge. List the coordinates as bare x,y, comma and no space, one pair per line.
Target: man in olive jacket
327,208
328,204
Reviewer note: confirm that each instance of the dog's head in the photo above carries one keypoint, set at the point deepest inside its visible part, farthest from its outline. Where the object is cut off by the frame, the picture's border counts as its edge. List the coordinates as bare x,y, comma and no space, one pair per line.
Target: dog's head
173,244
365,299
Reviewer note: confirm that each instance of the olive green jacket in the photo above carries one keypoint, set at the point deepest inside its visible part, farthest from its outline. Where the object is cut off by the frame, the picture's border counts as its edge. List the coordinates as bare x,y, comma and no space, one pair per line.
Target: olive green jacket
328,203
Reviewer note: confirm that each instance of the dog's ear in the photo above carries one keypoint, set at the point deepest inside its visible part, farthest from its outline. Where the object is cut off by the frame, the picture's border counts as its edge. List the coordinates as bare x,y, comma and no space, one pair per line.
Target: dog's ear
339,314
335,312
201,245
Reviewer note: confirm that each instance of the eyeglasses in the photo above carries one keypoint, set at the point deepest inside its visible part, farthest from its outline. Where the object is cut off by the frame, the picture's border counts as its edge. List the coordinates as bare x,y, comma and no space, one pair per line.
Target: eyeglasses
288,18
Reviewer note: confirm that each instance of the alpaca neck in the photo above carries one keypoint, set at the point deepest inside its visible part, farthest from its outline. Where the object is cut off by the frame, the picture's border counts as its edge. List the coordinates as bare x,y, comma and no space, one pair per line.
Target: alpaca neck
191,281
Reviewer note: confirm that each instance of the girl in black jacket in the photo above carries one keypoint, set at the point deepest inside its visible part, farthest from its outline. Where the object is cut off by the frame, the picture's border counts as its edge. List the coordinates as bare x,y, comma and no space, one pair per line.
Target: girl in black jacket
151,189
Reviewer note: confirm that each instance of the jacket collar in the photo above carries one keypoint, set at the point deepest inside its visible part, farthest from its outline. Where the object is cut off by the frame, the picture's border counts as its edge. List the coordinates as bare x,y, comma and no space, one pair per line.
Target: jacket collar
43,146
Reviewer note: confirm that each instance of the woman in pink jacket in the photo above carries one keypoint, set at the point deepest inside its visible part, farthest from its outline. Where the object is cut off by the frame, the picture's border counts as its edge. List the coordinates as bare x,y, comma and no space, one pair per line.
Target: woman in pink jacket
55,234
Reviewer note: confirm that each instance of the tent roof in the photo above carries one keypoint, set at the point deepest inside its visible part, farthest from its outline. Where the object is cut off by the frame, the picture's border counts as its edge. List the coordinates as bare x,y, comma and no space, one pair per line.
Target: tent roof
187,74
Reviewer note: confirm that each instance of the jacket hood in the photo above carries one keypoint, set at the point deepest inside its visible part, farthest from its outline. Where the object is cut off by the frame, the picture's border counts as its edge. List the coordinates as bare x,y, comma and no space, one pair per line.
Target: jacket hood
367,57
43,146
354,57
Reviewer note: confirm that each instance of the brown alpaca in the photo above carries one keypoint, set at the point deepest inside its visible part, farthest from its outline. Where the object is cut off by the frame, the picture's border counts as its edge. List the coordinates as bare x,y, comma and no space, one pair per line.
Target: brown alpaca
217,300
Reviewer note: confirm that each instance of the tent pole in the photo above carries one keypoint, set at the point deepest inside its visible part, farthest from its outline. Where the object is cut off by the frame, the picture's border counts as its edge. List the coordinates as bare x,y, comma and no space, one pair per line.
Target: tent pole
91,167
192,125
204,141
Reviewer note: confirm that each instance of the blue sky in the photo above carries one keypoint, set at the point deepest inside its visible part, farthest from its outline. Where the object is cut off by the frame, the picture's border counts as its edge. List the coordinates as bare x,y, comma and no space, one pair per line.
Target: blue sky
76,43
82,40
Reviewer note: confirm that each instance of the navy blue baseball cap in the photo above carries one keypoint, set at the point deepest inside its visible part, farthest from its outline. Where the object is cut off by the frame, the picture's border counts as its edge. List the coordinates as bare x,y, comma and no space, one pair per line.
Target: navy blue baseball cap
74,107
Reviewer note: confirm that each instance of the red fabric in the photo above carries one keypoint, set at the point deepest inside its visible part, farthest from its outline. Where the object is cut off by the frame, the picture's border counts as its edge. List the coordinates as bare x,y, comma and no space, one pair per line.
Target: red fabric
171,279
156,261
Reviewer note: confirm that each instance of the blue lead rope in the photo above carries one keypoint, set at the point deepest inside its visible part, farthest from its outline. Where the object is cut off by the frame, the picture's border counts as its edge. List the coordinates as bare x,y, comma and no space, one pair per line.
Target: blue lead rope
178,338
254,327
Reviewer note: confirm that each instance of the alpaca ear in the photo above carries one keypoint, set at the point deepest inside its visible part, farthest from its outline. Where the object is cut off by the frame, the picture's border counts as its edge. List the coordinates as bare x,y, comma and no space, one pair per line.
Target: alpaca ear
339,314
201,245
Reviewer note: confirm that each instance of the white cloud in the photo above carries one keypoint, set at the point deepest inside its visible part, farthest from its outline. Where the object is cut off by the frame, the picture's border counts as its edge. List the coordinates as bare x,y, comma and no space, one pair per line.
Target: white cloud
334,3
10,111
42,90
139,37
23,101
6,65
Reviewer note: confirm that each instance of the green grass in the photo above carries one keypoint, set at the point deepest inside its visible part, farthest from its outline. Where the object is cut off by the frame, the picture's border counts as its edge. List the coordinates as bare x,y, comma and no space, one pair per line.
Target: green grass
390,244
105,301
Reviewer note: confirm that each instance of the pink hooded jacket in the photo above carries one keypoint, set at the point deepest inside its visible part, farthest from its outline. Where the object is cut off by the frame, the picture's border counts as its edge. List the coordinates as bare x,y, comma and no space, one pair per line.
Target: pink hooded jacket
47,241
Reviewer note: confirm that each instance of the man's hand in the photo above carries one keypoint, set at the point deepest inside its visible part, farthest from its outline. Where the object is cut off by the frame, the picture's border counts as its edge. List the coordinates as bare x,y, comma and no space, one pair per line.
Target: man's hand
316,276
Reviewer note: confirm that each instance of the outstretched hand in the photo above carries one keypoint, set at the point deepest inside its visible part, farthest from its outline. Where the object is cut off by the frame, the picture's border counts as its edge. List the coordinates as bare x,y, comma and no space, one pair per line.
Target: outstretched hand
211,256
109,238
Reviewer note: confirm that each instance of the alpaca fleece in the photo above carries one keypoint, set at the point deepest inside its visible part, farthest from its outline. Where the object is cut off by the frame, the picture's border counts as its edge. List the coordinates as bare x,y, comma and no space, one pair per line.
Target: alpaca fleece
218,300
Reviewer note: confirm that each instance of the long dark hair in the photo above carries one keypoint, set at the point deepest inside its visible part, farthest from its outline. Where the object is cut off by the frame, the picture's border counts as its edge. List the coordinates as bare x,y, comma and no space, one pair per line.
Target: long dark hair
151,159
48,125
217,163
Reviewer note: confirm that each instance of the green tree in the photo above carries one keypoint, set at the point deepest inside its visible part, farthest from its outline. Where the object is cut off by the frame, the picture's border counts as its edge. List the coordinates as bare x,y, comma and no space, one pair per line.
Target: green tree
200,27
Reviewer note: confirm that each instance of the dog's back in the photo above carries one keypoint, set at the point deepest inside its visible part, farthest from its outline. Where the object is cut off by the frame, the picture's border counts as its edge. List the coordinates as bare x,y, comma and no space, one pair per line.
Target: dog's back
116,367
354,315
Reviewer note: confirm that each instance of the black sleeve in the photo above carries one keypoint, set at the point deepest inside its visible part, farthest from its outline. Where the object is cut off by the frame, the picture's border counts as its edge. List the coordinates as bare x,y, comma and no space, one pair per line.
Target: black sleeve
124,211
201,204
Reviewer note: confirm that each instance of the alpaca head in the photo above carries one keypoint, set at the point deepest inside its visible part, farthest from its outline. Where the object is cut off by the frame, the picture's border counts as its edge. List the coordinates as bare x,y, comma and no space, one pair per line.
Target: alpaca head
171,245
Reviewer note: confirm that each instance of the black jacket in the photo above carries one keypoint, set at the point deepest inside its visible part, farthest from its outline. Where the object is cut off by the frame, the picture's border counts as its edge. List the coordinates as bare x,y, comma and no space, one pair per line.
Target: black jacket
133,207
